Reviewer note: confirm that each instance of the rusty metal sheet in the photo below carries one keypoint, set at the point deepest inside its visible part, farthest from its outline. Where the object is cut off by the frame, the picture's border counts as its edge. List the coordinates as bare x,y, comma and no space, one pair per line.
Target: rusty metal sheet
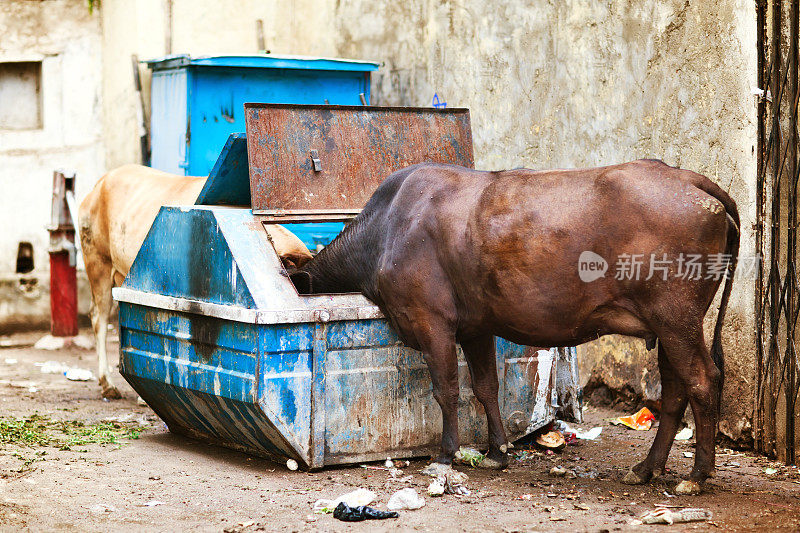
334,157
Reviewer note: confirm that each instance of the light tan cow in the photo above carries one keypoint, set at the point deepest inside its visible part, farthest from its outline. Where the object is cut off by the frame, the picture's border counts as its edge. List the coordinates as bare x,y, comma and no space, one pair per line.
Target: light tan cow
114,220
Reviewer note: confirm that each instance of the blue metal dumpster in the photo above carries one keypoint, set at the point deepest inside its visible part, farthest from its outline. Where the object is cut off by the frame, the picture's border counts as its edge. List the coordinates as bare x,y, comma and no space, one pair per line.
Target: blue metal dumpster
215,338
197,102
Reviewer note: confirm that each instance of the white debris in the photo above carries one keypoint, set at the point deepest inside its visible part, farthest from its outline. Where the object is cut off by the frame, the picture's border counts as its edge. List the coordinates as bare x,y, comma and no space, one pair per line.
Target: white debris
82,341
452,480
353,499
152,503
435,488
389,463
102,508
11,361
589,434
48,342
79,374
52,367
292,465
668,516
405,499
684,434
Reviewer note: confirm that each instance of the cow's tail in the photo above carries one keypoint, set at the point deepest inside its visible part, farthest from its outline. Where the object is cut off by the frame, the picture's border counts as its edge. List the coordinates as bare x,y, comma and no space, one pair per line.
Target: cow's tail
732,254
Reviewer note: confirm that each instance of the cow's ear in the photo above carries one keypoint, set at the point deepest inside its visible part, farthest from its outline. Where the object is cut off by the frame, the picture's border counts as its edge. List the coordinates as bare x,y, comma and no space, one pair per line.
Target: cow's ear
301,281
288,264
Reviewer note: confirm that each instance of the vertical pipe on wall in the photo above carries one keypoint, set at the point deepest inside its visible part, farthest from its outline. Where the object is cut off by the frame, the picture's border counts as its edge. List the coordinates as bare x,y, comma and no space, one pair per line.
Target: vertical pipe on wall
774,281
791,274
761,27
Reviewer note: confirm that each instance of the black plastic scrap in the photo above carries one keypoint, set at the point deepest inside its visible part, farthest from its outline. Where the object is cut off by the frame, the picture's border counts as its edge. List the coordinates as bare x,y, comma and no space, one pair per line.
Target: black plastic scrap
345,513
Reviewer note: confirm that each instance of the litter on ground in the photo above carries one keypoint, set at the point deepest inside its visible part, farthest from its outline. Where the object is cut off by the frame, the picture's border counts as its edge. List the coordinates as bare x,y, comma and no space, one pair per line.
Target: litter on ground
356,498
642,420
662,515
79,374
684,434
553,440
405,499
451,480
469,456
589,434
346,513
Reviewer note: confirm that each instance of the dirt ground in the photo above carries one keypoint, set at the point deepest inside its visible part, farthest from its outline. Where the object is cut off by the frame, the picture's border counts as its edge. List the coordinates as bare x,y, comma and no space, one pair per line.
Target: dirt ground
160,481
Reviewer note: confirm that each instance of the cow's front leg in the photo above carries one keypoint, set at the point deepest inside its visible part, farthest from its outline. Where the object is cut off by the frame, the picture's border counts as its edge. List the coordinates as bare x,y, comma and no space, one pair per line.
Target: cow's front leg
480,355
439,349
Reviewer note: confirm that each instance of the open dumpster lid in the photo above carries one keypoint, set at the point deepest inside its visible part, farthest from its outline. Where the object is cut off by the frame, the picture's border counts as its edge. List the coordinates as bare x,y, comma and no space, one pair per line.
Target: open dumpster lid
228,182
332,158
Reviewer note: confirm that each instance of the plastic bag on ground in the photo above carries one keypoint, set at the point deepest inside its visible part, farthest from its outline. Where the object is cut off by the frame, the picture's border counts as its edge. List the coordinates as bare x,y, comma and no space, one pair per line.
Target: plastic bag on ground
345,513
589,434
357,498
79,374
405,499
469,456
640,421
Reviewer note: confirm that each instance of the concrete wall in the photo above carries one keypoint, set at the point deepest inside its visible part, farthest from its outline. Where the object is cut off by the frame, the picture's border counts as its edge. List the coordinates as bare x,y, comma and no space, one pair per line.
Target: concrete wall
66,39
576,83
154,28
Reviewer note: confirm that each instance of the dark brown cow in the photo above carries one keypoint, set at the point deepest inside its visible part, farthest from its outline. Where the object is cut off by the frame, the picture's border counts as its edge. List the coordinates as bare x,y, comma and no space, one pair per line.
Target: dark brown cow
453,255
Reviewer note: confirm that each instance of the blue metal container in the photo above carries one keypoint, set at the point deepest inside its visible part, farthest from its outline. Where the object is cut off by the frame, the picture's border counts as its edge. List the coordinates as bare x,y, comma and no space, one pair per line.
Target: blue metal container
198,102
215,338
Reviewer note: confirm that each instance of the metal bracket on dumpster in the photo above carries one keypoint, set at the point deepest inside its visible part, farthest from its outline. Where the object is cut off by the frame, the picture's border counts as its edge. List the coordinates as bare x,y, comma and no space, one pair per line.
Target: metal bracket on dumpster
316,161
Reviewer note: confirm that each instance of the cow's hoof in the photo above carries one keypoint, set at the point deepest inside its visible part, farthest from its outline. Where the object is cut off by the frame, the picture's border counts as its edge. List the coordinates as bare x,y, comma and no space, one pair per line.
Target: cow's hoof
632,478
110,392
688,488
493,464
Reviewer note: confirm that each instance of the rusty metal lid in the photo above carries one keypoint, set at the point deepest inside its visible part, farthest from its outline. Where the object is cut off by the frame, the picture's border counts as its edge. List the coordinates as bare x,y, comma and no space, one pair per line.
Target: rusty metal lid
334,157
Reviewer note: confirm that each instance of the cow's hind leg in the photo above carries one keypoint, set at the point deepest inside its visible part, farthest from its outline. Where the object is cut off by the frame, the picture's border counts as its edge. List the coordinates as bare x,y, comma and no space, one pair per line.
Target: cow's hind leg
101,280
686,351
673,405
481,359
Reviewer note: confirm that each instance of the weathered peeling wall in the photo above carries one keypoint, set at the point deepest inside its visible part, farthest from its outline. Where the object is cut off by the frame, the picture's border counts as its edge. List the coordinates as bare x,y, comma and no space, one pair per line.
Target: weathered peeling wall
575,83
66,39
154,28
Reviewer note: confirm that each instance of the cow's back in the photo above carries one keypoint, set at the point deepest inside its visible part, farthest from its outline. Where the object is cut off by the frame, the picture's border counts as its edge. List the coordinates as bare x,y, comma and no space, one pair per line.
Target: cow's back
116,216
489,231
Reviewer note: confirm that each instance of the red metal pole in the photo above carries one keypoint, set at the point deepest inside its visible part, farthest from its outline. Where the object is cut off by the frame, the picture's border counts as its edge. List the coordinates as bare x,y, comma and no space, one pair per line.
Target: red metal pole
63,271
63,296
